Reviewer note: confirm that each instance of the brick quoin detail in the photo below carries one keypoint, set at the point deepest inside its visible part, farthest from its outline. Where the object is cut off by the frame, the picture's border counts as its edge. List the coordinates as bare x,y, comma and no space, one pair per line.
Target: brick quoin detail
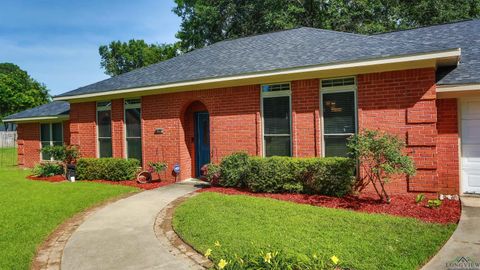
29,143
403,103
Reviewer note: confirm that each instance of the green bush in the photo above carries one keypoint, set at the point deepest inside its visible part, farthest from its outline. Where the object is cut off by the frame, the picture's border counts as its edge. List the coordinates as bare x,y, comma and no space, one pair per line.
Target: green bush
328,176
212,173
332,176
234,170
114,169
272,174
47,169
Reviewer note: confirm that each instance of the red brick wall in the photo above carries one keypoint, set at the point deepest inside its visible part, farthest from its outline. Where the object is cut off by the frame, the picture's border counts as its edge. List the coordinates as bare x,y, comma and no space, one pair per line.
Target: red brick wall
399,102
83,129
447,146
305,118
234,120
403,103
28,144
118,133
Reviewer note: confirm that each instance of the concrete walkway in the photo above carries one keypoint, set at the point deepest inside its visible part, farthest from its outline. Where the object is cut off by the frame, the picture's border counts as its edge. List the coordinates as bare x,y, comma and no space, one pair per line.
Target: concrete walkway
121,235
465,241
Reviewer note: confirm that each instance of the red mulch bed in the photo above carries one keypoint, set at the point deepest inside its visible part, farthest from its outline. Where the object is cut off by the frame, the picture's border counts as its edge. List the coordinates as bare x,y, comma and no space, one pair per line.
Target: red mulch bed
133,183
401,205
55,178
130,183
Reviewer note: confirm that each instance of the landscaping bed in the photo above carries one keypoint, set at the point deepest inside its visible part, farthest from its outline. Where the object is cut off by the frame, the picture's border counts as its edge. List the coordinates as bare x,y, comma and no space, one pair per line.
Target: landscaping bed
240,229
129,183
401,205
55,178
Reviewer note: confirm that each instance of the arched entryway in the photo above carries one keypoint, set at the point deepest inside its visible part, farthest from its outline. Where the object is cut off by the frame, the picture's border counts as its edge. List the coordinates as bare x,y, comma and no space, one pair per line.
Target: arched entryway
196,125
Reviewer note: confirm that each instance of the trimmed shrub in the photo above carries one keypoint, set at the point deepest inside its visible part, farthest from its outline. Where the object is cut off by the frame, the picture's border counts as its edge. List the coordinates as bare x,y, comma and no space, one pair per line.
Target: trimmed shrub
332,176
272,174
114,169
47,169
234,170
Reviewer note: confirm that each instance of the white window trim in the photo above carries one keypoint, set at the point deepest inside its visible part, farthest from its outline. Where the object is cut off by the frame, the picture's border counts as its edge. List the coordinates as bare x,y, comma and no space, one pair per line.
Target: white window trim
101,109
50,124
337,89
125,108
283,93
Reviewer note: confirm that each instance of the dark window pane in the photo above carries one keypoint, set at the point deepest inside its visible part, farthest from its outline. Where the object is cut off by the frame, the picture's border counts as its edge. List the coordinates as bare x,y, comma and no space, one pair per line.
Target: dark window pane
134,148
104,124
339,112
276,115
105,147
57,132
336,146
45,132
277,146
132,121
44,155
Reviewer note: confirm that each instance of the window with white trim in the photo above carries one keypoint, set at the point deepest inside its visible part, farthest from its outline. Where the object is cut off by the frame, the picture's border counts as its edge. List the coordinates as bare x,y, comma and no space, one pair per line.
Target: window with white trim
104,128
133,128
276,113
51,134
338,99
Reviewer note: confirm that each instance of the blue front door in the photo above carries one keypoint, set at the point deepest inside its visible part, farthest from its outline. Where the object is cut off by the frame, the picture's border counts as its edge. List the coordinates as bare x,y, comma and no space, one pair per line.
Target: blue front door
202,141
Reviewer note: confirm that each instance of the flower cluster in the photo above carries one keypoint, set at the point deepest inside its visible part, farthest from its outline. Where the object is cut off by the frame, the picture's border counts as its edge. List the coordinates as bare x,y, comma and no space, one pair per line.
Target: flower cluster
271,260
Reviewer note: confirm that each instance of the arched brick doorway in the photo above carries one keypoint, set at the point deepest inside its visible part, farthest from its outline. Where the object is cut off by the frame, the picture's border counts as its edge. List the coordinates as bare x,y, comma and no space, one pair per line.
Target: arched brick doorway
196,126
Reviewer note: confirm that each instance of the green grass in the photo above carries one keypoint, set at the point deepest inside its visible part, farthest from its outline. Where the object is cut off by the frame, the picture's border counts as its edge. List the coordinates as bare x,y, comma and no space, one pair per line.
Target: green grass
360,240
31,210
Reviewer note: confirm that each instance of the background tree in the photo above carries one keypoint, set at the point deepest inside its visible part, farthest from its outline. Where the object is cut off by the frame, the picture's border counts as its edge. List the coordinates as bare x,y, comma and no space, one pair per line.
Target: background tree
208,21
120,57
18,91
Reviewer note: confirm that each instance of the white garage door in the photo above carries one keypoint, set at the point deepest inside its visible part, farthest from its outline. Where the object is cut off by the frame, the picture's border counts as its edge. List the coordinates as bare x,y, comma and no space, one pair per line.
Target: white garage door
470,113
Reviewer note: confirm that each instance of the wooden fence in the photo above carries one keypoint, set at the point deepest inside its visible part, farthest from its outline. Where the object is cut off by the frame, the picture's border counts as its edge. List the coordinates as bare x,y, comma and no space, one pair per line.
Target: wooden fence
8,139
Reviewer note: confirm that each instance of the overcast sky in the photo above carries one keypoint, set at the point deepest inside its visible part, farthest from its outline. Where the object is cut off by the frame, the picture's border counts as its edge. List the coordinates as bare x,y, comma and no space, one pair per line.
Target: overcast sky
57,42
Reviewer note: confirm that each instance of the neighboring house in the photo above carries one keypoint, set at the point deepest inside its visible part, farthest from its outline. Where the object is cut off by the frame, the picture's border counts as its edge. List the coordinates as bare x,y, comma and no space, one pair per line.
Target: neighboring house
298,92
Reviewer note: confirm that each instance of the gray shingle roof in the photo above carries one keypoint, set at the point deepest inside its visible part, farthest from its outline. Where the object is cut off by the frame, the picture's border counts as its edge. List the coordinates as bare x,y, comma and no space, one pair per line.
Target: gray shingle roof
267,52
54,108
464,35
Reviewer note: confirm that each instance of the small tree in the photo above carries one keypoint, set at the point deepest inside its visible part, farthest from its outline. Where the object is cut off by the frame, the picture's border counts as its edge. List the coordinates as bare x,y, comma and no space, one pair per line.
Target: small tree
67,154
380,156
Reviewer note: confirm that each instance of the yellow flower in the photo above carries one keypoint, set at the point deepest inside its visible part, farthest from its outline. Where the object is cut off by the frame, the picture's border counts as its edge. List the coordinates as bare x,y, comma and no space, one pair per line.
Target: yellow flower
268,257
334,259
217,244
208,252
222,264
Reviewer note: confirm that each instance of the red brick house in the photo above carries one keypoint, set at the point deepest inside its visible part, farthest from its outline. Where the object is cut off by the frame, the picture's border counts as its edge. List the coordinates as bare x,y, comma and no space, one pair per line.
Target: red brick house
298,92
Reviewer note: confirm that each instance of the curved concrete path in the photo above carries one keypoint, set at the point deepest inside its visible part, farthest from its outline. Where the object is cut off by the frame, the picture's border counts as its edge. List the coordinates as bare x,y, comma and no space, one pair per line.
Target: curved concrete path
121,235
465,241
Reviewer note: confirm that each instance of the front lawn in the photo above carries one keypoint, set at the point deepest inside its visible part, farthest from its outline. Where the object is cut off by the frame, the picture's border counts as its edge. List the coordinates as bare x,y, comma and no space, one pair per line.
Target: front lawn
246,225
31,210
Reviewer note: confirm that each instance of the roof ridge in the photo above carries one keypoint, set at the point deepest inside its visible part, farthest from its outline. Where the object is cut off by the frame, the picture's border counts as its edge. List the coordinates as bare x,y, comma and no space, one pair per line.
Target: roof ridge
426,26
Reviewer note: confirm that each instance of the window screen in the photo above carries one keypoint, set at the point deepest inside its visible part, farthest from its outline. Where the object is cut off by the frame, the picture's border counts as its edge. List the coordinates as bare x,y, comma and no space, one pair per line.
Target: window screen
276,121
104,127
339,117
133,129
50,134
